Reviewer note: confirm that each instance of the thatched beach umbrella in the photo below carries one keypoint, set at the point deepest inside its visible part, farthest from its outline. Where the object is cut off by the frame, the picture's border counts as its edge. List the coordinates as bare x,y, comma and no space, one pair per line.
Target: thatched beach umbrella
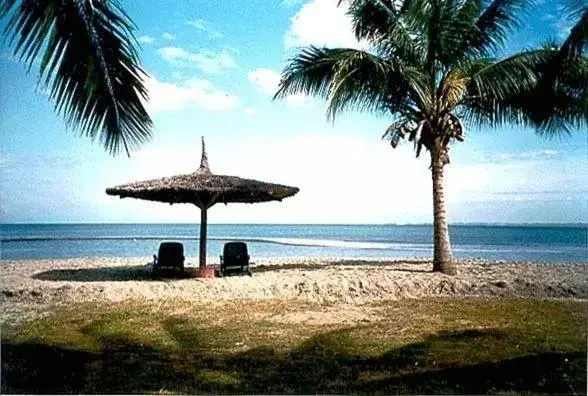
203,189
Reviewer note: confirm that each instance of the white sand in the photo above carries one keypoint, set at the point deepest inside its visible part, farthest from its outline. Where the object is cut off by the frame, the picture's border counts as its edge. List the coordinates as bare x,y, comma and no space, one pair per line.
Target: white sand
30,287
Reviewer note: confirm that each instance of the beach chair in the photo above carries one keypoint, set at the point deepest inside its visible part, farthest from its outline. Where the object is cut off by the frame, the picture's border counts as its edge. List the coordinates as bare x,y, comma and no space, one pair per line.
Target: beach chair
235,259
169,257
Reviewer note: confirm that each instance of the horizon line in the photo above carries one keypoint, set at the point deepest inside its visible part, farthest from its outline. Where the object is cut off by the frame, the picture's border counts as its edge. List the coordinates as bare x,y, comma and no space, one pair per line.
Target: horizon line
582,224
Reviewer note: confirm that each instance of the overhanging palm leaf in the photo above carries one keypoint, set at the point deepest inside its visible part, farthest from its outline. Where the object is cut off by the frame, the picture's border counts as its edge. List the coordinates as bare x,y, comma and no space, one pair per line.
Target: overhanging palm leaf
89,65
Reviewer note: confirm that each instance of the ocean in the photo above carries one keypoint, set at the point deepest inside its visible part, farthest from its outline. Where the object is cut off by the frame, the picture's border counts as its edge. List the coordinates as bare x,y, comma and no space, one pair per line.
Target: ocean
534,243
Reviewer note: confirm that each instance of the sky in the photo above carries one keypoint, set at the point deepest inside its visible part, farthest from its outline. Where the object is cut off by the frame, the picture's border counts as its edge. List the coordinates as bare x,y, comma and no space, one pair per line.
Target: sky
213,68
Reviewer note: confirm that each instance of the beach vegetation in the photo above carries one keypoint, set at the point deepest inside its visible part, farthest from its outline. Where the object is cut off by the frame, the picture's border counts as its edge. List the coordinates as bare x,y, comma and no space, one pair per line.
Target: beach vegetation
432,66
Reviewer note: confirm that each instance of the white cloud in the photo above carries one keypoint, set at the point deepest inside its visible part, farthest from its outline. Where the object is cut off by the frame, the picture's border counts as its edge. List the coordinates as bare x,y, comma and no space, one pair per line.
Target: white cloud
172,53
166,96
299,100
521,156
529,155
251,112
168,36
321,23
51,162
205,26
146,39
207,61
178,76
267,82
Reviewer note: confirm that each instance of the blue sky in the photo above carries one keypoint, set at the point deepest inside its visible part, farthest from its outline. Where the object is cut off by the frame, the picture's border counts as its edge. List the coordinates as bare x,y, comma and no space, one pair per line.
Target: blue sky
213,67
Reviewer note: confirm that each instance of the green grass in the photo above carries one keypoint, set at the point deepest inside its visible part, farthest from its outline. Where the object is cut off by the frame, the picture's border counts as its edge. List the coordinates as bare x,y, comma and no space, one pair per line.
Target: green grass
415,346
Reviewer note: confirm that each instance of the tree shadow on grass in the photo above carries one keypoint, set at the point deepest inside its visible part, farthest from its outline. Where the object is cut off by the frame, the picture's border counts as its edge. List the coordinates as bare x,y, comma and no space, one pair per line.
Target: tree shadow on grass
322,364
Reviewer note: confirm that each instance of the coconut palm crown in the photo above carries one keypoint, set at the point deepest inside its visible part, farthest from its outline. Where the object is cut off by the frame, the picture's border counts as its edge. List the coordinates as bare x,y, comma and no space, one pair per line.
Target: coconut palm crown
431,65
88,63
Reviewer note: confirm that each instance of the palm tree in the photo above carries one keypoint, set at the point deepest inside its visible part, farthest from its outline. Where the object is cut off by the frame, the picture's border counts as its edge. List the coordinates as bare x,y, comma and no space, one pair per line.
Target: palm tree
431,64
88,63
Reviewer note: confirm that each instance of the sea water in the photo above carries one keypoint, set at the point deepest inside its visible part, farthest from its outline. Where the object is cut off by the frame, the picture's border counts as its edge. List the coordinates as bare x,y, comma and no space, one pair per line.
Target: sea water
534,243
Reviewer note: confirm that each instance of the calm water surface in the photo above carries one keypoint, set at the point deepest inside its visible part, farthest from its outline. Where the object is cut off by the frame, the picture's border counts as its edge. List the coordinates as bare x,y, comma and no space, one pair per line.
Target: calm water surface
541,243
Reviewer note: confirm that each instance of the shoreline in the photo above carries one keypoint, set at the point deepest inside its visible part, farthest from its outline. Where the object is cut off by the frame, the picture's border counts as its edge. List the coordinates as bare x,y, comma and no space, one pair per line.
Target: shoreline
31,287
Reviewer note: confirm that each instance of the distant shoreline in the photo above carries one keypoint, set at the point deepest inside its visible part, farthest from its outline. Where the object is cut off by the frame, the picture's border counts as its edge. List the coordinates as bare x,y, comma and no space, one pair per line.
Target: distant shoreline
460,224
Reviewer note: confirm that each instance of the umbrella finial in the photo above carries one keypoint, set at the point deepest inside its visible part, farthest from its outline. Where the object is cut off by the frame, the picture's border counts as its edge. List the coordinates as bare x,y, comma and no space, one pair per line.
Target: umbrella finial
204,168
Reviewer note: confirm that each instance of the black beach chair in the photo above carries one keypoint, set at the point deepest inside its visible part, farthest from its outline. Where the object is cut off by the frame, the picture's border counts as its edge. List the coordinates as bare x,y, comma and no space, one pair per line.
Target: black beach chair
235,259
170,257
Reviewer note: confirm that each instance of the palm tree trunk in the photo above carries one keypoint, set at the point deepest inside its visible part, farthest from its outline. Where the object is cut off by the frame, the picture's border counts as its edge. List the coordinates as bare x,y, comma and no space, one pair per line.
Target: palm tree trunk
442,257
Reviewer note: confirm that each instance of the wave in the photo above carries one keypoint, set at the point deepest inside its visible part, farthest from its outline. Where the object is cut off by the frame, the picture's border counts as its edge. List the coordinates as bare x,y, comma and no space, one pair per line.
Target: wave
278,241
300,242
340,243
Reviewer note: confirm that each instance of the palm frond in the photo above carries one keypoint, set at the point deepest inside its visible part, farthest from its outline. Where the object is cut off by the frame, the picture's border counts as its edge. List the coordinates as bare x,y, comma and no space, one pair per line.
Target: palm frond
560,119
492,84
563,89
309,73
88,62
563,82
386,28
503,79
576,42
350,78
365,82
436,22
465,16
452,89
6,6
490,30
522,90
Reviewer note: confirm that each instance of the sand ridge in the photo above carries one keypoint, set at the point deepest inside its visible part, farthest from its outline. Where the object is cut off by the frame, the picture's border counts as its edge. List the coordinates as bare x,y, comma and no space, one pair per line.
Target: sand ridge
27,284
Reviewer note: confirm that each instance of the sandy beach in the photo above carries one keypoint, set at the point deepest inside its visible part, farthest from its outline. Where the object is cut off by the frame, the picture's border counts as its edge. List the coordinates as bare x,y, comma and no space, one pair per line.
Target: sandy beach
30,288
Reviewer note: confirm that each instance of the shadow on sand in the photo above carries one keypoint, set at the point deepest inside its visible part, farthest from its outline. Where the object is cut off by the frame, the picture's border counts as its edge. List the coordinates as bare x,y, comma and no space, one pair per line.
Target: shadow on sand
318,365
145,272
122,274
390,265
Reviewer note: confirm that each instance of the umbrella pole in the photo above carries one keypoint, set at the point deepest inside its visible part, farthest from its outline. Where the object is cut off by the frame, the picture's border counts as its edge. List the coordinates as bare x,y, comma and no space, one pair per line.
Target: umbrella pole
203,214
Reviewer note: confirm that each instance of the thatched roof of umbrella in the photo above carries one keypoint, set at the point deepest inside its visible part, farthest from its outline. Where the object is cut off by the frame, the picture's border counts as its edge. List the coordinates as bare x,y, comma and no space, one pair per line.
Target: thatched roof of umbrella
203,189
